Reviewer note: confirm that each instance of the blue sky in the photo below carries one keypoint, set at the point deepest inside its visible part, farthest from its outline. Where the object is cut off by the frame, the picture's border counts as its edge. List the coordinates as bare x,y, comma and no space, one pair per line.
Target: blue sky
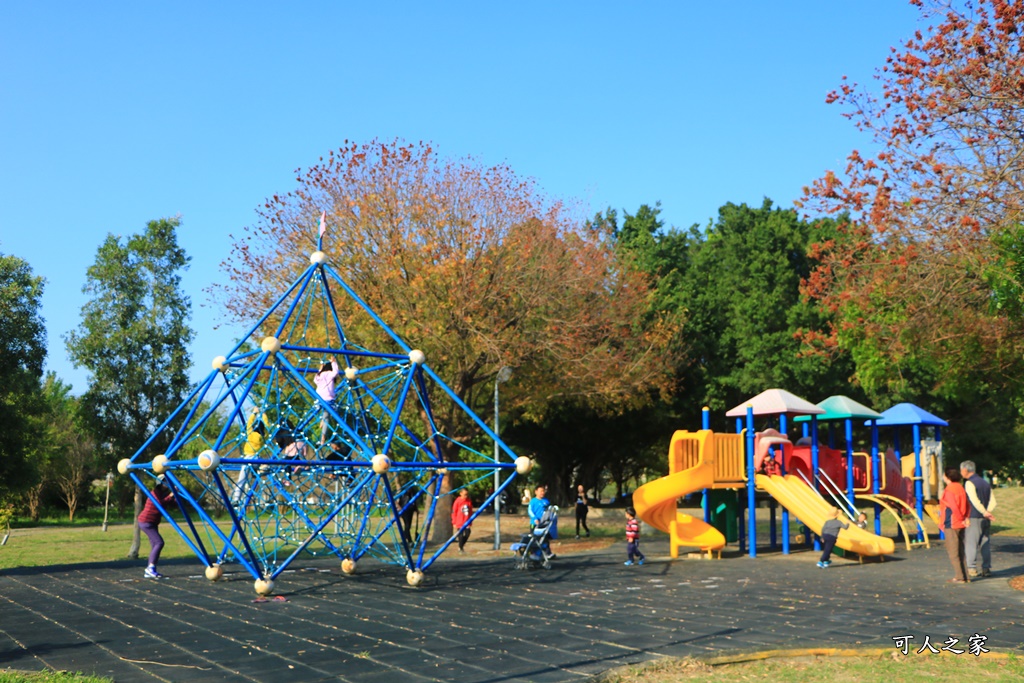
115,113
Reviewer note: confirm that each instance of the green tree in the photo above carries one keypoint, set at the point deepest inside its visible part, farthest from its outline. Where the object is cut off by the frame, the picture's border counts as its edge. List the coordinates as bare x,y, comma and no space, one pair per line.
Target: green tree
44,452
577,445
133,340
22,352
746,314
67,452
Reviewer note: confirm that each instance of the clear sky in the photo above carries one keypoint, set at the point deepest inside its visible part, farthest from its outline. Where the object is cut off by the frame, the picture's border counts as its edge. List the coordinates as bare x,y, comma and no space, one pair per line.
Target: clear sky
115,113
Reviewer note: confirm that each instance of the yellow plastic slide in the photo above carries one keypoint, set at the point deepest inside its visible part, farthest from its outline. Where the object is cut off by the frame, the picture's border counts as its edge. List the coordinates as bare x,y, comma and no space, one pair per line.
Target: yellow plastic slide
813,510
932,508
655,503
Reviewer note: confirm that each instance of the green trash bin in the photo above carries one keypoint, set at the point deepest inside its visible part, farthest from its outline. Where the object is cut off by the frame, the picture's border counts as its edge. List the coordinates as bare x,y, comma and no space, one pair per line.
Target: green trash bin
724,506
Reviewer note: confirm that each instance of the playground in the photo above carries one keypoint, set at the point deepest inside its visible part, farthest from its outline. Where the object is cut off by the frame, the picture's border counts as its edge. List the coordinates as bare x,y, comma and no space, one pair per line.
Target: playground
802,480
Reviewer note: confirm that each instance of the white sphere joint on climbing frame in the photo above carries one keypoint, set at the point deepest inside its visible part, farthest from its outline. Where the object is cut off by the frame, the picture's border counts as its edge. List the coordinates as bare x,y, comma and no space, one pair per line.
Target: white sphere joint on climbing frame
160,464
271,344
318,258
414,577
523,464
214,572
220,363
208,460
348,566
417,357
380,463
264,586
123,464
351,373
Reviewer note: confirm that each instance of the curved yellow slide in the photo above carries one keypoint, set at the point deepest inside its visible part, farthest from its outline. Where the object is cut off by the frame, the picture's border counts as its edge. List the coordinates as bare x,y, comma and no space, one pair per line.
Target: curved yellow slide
932,508
813,510
655,503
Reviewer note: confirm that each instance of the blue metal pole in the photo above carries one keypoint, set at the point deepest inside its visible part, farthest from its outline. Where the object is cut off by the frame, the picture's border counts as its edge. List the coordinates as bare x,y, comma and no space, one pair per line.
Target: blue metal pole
918,484
783,423
875,475
849,462
705,423
814,467
751,498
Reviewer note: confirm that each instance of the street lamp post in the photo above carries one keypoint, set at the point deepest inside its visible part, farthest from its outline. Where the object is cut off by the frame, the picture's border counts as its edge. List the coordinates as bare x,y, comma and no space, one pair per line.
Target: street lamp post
106,506
503,376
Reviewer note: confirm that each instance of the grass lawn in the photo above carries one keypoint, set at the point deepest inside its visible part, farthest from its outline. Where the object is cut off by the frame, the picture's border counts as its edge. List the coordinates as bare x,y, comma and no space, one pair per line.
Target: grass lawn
891,667
8,676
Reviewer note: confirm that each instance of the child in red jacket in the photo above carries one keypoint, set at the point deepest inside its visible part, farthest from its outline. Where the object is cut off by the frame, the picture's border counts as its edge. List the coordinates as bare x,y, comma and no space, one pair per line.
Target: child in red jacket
462,510
633,538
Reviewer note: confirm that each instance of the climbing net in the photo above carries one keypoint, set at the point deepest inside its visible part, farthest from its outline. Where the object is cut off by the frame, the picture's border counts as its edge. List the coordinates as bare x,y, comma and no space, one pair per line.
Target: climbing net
266,469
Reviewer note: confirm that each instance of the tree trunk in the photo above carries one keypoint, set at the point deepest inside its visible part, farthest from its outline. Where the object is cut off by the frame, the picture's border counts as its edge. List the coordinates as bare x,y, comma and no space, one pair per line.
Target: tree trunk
441,528
133,552
33,500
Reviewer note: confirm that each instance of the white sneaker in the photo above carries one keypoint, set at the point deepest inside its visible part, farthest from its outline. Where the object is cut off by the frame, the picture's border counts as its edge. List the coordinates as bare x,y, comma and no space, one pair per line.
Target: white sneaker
152,573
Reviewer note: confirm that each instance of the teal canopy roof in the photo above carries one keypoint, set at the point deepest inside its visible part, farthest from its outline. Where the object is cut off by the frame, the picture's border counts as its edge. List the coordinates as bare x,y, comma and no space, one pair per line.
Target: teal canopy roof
776,402
843,408
909,414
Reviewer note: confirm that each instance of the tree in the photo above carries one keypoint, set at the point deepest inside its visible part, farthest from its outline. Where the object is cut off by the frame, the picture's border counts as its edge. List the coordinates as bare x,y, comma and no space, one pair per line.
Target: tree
51,424
65,455
133,340
472,265
22,352
928,267
579,446
926,275
746,313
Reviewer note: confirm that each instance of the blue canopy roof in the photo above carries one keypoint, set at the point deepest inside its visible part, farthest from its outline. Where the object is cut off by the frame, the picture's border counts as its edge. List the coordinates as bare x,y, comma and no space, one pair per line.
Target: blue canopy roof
909,414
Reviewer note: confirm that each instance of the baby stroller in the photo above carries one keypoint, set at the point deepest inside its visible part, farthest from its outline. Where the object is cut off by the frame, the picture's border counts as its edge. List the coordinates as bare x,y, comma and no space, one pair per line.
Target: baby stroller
533,548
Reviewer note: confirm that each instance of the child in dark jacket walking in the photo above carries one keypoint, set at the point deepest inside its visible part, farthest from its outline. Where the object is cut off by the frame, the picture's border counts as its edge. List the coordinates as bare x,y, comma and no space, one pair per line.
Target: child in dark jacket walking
633,538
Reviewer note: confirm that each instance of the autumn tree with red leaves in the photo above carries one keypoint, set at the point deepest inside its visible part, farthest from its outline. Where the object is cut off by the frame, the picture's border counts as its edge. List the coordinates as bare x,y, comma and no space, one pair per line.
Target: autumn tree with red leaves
471,264
925,275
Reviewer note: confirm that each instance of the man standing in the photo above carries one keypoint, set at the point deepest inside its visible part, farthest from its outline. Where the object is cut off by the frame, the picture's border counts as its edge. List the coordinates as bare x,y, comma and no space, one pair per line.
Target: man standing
976,536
